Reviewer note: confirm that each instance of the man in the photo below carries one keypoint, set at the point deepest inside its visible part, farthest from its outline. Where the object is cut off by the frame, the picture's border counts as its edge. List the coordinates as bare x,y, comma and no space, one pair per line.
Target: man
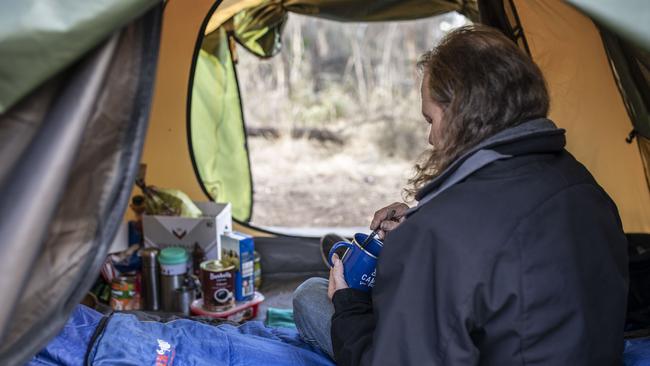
514,254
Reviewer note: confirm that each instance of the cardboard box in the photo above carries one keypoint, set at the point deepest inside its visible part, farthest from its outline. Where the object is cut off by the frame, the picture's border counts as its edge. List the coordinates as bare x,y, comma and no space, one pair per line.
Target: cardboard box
242,247
173,231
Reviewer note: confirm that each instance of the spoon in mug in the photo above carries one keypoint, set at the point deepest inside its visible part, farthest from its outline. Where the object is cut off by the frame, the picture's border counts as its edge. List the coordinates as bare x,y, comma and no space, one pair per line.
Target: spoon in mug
389,216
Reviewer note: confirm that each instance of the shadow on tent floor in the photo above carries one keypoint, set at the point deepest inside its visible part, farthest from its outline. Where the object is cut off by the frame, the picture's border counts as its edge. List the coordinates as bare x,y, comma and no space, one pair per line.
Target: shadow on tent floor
278,291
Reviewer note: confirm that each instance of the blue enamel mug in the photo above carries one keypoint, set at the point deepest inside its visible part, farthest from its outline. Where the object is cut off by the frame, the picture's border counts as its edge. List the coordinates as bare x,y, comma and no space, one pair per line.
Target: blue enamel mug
359,263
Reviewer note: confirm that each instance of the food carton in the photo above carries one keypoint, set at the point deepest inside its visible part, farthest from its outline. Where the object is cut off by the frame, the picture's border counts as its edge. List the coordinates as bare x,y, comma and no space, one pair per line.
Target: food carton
167,231
238,248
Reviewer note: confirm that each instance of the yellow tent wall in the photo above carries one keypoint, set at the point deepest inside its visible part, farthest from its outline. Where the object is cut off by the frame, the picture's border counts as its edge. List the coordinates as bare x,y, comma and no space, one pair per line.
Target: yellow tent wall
585,100
166,151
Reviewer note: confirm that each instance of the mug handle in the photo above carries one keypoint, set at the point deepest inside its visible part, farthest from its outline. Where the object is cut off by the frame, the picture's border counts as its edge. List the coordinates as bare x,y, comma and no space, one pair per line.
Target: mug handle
335,248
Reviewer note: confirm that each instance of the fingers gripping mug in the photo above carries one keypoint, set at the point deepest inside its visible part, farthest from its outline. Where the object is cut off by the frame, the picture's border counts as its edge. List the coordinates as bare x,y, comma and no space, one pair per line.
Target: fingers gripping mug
359,263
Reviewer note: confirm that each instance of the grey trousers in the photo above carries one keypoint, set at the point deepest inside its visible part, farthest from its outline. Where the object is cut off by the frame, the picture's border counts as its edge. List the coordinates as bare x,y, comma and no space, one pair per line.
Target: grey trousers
312,312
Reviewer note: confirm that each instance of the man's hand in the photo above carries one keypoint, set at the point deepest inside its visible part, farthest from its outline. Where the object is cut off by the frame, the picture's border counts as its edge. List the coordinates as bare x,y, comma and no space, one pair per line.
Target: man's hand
337,280
385,222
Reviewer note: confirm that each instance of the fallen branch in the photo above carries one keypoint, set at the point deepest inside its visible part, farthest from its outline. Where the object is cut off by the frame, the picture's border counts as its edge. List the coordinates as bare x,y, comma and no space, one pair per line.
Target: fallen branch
318,134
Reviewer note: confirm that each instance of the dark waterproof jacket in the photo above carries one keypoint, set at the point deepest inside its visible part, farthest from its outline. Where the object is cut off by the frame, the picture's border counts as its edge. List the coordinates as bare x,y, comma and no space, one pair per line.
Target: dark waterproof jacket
520,260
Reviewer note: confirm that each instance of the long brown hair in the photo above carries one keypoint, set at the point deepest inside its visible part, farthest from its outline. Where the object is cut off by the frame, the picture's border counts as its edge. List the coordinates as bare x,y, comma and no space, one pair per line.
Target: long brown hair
484,84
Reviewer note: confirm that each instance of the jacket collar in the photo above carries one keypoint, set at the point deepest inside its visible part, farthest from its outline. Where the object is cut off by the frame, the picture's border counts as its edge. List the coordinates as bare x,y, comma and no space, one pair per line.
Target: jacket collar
532,137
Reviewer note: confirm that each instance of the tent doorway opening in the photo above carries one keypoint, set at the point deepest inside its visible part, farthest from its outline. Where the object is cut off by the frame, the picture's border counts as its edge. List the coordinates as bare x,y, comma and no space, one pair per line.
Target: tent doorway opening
333,121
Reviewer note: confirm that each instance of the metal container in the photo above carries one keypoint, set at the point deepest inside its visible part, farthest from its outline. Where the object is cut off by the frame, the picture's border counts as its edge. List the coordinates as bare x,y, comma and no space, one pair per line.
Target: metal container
173,268
123,294
218,284
198,257
150,279
258,271
183,297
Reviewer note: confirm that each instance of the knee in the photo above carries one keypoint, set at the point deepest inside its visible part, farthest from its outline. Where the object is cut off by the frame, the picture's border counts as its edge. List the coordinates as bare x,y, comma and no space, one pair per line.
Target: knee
308,291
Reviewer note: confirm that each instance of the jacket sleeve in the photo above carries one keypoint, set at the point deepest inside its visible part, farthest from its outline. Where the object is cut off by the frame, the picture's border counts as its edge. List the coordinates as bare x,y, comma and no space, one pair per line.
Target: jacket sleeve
426,306
423,304
352,326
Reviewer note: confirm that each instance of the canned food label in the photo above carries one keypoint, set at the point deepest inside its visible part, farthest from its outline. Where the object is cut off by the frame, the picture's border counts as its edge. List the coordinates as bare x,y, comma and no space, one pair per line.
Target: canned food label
257,274
220,275
218,289
173,269
124,295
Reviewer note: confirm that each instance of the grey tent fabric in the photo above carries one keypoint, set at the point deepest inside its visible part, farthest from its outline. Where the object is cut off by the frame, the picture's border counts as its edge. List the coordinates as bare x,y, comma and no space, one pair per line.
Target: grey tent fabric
629,19
34,197
284,255
39,38
69,185
21,123
631,66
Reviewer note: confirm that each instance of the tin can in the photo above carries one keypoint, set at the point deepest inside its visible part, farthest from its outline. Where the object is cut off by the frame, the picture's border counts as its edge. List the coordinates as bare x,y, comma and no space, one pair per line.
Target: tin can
123,294
198,257
258,271
183,297
173,269
218,284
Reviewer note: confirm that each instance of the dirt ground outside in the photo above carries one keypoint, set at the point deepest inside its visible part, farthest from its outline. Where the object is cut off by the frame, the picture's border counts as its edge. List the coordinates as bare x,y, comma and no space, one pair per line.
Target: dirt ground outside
298,183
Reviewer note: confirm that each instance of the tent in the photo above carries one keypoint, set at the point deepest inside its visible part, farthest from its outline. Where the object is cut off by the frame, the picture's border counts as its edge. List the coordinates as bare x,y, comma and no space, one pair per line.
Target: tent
210,99
90,89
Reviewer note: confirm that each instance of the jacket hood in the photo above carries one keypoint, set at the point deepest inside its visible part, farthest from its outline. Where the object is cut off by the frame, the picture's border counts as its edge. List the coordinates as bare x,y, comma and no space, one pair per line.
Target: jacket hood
536,136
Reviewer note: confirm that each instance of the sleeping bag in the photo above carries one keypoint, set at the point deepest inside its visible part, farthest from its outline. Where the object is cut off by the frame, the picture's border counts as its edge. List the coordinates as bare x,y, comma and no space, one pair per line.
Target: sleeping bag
124,339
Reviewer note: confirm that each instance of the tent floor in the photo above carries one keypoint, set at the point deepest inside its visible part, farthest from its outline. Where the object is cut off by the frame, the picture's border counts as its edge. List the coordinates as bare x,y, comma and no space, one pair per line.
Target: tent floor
278,291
